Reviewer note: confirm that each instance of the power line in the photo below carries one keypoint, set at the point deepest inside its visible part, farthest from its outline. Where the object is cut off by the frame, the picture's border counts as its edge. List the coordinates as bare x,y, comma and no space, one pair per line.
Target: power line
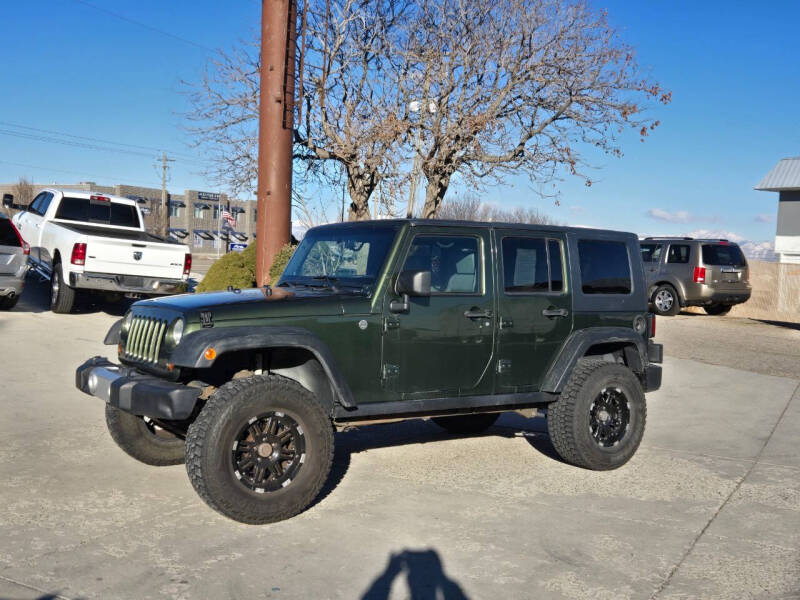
53,140
151,184
145,25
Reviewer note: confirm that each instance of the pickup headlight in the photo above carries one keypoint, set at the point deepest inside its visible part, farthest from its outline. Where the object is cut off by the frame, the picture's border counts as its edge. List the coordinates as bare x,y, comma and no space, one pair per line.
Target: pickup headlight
177,331
126,322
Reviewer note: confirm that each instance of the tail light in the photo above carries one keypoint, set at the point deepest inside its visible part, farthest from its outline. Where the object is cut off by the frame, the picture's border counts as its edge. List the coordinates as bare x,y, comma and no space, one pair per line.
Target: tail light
699,274
187,264
653,325
78,254
26,247
100,198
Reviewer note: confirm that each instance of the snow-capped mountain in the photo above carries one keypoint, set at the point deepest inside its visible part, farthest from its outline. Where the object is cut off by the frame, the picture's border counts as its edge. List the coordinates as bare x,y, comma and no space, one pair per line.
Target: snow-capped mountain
753,250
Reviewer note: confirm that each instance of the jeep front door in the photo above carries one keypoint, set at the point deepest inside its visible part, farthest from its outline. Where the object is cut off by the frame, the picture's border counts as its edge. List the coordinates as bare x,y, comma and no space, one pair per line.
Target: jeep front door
534,307
442,345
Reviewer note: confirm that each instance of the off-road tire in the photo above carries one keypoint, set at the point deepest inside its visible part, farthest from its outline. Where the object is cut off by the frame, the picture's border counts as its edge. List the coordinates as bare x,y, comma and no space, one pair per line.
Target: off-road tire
718,309
133,435
568,418
62,297
8,303
662,292
465,424
209,448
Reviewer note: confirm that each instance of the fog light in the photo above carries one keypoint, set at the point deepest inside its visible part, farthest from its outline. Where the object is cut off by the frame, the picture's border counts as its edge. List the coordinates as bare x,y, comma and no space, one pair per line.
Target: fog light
92,383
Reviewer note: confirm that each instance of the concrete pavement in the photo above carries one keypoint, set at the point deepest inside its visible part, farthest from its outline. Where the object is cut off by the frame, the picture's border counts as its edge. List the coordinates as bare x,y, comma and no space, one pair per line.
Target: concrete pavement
708,508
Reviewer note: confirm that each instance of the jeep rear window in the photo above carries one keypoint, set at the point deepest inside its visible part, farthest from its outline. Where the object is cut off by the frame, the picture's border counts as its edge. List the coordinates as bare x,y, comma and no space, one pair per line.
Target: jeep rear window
605,268
729,255
525,265
8,237
93,211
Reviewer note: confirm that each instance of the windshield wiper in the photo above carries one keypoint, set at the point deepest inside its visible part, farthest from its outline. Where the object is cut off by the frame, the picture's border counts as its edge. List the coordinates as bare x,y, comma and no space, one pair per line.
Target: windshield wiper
330,282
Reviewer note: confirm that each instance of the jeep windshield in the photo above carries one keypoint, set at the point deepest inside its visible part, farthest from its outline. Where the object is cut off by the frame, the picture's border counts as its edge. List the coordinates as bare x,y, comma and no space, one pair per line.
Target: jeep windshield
340,257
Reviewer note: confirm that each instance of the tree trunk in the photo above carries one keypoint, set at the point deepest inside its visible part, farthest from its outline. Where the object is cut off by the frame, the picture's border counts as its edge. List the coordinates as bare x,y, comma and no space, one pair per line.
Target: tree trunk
360,185
434,194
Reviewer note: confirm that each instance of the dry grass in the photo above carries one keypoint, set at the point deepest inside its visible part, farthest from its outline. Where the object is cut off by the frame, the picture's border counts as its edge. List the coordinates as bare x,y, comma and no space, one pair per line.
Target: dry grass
776,293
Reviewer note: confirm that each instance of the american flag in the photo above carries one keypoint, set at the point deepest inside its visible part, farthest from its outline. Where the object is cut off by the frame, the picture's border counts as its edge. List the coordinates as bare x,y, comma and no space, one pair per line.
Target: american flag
228,218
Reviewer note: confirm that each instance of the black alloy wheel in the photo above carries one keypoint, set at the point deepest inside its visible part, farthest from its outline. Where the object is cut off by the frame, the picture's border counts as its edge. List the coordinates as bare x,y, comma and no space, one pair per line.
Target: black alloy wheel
610,414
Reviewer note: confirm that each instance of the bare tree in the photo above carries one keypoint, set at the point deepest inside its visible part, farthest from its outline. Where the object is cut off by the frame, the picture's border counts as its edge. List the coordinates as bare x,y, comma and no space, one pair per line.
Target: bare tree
470,208
24,191
518,86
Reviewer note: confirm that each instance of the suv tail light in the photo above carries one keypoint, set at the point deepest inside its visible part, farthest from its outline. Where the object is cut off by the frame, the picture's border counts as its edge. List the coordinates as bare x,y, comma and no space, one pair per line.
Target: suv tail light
699,274
78,254
187,264
26,247
652,325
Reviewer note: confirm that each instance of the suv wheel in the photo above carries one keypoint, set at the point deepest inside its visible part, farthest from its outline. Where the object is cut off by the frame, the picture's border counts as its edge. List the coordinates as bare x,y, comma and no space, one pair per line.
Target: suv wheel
598,422
140,438
467,423
8,303
62,297
260,450
718,309
665,301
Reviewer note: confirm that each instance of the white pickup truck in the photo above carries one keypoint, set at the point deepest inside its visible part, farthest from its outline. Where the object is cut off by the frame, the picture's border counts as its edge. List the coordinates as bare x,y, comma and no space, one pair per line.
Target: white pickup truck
91,241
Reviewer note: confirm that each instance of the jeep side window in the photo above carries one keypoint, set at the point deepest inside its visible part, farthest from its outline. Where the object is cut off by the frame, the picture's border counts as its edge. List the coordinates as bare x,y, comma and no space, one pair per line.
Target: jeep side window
454,263
651,252
527,268
678,253
605,268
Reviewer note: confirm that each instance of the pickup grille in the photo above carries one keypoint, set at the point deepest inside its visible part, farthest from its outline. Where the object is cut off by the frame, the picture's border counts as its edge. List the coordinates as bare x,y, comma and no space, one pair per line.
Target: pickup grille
144,339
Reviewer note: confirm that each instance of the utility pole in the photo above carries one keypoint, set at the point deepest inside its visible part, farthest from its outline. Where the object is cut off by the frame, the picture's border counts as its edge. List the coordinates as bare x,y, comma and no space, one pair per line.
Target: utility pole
275,131
163,221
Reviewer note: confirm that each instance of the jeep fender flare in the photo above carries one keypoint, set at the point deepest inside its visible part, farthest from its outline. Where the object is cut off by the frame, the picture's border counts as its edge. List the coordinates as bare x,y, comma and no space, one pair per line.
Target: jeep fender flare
190,352
576,345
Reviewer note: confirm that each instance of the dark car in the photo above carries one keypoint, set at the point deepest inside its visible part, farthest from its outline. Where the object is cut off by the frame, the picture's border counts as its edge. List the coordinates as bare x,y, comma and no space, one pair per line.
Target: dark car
14,253
378,321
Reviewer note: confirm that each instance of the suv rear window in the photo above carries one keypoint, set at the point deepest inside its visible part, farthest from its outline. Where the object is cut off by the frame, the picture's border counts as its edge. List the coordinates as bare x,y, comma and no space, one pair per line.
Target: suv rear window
8,237
605,268
651,252
93,211
728,255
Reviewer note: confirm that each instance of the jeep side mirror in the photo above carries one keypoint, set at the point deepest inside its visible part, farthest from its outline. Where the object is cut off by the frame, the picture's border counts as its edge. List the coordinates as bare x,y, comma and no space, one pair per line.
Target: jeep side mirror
8,200
410,283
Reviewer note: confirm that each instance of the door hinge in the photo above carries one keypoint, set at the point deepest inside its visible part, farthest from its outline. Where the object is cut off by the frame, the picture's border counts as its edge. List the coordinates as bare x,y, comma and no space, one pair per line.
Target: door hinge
390,371
506,323
390,324
503,365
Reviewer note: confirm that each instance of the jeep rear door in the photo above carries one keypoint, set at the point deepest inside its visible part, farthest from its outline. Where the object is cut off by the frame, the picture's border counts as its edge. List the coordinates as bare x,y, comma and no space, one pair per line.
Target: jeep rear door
443,344
535,306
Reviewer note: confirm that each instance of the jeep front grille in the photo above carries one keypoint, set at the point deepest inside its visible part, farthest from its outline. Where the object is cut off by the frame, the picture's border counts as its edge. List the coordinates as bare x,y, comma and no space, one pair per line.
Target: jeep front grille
144,339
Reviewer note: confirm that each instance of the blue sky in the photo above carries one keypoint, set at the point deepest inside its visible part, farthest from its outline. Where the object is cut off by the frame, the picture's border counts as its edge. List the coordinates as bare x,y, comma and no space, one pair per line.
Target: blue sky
69,66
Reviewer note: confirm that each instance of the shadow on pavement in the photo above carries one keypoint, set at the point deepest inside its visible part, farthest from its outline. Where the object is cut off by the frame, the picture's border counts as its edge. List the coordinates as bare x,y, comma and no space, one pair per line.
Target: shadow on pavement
418,431
424,575
35,298
785,324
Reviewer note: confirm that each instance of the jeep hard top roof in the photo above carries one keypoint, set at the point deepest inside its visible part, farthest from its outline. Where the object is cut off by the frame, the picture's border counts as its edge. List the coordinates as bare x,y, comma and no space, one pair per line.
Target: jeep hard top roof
667,238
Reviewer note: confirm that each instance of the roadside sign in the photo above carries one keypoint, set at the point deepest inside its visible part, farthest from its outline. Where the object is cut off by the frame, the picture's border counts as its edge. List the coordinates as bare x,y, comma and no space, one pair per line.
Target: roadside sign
233,247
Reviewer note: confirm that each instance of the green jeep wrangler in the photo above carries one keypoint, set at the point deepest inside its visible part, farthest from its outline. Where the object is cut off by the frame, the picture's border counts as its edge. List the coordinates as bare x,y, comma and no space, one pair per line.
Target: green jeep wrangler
377,321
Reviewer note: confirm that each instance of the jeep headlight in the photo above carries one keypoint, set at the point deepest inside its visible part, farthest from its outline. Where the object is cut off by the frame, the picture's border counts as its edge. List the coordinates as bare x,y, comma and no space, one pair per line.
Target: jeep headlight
126,322
177,331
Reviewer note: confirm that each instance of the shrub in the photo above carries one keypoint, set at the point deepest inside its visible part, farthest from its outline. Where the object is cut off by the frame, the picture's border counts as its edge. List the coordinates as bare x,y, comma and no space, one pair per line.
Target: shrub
239,269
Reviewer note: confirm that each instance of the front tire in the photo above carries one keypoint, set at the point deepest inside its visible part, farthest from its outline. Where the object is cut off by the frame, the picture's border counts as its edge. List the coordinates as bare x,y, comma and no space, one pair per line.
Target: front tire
260,449
143,440
62,297
666,301
599,419
466,424
718,309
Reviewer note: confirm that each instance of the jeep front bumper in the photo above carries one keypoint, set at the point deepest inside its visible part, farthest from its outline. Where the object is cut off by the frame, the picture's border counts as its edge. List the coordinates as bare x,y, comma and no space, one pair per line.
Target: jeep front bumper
135,392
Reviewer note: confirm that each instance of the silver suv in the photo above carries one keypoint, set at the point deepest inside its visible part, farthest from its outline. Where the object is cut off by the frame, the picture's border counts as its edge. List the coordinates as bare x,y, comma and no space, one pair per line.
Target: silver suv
683,271
13,263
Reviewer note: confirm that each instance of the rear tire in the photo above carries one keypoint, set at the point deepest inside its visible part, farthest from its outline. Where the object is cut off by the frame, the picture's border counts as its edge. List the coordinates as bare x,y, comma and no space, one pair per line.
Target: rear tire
666,301
142,440
260,450
599,419
62,297
463,424
8,303
718,309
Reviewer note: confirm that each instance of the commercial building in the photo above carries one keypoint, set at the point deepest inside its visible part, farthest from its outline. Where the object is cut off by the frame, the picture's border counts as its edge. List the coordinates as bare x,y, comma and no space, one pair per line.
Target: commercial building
193,217
784,178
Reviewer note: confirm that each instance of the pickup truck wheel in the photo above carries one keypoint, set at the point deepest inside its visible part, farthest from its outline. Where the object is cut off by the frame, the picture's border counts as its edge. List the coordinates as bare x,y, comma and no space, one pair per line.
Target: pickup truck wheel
142,439
8,303
665,301
718,309
260,450
598,421
467,423
62,297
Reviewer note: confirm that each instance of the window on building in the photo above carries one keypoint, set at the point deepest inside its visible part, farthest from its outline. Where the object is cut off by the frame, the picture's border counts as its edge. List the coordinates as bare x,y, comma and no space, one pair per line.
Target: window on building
174,211
605,268
651,252
453,263
197,240
199,212
678,253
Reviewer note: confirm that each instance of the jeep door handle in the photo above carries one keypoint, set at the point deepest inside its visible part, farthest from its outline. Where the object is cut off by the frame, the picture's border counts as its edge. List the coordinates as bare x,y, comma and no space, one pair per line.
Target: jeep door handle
555,312
477,313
